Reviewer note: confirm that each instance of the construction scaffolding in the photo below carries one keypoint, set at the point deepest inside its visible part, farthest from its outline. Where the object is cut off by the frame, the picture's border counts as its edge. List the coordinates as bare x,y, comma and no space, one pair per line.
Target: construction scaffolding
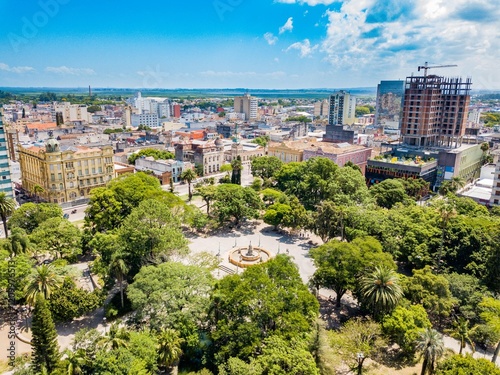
435,111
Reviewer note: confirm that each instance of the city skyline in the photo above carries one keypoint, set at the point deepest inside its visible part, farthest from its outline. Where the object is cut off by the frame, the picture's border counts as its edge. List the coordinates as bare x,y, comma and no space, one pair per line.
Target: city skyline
237,43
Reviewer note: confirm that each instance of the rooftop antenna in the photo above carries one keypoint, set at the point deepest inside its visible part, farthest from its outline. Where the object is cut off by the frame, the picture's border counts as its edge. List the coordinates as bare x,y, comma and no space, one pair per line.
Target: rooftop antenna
426,66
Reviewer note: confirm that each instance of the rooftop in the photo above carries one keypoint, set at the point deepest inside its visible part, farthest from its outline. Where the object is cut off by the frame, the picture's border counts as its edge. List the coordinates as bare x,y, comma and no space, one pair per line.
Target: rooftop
312,144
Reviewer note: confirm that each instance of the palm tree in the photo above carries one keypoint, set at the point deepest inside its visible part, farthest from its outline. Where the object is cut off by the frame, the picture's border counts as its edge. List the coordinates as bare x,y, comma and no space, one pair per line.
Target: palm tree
7,207
118,268
462,332
74,361
19,241
430,344
381,291
116,338
37,190
44,280
457,183
169,349
188,175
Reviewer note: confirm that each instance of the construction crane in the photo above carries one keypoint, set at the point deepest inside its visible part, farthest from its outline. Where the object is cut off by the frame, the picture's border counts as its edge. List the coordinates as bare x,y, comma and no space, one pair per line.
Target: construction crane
426,66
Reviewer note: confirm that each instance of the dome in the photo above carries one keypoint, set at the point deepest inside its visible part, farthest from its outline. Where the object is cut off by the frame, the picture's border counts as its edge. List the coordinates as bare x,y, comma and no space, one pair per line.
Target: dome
218,142
52,145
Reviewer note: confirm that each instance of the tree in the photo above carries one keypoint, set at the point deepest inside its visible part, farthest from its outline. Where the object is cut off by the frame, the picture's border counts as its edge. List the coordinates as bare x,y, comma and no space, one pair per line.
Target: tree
74,362
459,365
44,338
151,233
188,175
152,152
7,207
109,206
43,281
118,268
405,324
357,336
282,356
159,292
431,346
38,190
271,196
491,315
19,241
339,264
462,332
207,193
235,201
380,291
265,166
69,301
117,337
264,301
275,214
30,215
430,290
236,167
446,212
169,348
327,221
389,192
59,237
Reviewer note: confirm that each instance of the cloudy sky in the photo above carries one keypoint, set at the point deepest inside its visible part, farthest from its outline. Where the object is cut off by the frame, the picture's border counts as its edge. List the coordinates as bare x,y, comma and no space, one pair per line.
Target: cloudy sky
245,43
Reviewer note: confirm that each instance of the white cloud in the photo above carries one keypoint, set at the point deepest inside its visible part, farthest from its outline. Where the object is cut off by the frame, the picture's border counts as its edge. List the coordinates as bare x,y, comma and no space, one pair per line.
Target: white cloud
64,70
16,69
270,38
389,39
288,26
304,48
276,60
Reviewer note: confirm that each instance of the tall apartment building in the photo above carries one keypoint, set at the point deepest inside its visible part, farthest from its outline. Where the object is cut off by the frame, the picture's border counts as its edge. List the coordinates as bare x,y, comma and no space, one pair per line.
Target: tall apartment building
75,113
435,111
342,109
321,109
389,107
65,175
248,105
5,180
147,119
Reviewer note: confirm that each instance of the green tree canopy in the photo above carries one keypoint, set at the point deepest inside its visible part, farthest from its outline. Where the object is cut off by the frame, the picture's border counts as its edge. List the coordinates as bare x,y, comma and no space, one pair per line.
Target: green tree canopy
236,202
155,153
30,215
59,237
44,338
389,192
265,166
266,300
340,264
466,365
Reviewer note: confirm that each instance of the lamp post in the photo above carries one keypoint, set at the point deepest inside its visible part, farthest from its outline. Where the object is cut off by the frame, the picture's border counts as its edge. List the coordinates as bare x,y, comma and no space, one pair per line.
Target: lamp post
361,358
104,324
278,248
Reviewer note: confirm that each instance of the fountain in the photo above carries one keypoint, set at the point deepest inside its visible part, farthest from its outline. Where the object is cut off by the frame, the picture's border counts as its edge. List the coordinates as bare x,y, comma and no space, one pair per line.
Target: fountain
248,256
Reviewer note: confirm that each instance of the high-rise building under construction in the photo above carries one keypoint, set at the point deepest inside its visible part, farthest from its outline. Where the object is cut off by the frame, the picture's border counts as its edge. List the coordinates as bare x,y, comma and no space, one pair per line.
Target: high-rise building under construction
435,111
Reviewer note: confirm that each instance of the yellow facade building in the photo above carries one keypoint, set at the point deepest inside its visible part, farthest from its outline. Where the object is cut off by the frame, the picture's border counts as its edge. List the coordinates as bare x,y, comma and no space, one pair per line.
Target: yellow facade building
285,151
64,175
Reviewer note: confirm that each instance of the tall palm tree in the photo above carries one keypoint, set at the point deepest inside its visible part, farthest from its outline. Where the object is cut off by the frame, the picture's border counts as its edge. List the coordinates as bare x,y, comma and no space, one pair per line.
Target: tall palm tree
188,175
169,349
7,207
381,291
457,183
44,280
430,344
75,361
37,190
119,269
117,337
462,332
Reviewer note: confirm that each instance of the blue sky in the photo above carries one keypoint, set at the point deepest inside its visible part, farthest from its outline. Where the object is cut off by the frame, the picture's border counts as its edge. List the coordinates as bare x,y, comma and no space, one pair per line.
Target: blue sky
244,43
